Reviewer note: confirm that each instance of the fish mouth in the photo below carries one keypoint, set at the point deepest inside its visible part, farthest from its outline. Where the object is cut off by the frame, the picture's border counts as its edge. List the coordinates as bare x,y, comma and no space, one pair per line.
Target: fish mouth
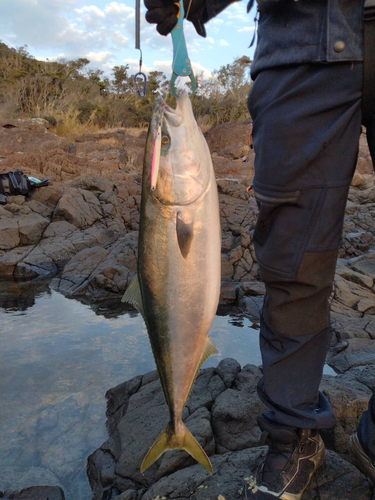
172,116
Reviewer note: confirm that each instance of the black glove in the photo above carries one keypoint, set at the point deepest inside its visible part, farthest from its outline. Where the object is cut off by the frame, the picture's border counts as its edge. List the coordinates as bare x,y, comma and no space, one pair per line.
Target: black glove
164,14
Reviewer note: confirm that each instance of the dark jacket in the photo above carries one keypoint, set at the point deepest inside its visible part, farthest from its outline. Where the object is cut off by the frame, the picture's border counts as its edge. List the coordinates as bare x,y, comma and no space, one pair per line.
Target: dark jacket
303,31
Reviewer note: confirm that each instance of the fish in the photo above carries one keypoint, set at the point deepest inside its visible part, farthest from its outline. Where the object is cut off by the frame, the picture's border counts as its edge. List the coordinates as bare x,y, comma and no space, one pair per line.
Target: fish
177,285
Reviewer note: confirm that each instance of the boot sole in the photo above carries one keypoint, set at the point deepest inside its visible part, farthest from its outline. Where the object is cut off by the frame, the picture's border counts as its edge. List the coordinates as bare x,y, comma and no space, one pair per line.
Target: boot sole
361,460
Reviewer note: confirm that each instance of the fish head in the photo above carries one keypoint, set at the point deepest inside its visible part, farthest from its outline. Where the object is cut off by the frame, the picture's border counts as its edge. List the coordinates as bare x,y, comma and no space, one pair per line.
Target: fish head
185,162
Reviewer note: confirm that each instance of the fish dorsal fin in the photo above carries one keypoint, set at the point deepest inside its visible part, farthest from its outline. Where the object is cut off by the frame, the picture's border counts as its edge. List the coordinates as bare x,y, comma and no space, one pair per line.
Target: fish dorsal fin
133,295
210,350
185,233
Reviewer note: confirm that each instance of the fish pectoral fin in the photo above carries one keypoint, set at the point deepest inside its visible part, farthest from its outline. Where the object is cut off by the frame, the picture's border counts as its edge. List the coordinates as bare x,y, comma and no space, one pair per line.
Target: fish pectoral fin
133,295
185,233
169,441
210,350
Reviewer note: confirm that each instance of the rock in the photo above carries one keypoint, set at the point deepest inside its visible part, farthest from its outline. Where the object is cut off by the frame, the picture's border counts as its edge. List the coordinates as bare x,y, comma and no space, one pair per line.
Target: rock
59,228
251,306
27,136
9,260
31,228
364,166
228,134
336,480
79,207
221,413
352,353
235,151
74,279
353,295
234,420
228,293
357,178
38,493
349,399
9,233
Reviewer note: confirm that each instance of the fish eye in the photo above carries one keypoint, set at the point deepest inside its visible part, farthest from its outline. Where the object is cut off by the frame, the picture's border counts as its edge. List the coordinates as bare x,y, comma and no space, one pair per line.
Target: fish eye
165,140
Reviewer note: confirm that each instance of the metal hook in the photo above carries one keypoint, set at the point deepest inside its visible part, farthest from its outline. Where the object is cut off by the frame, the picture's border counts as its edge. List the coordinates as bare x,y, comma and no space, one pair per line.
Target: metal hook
141,90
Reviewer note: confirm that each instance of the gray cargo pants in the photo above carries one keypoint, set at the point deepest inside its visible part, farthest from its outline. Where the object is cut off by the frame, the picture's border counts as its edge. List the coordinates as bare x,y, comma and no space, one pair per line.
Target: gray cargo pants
307,123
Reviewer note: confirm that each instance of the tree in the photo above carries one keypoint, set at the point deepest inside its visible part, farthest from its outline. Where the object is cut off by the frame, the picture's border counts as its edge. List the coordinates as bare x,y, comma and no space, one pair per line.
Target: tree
120,82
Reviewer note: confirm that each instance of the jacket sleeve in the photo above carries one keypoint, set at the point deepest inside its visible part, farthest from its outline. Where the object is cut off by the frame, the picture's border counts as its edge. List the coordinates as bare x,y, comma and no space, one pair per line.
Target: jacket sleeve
266,6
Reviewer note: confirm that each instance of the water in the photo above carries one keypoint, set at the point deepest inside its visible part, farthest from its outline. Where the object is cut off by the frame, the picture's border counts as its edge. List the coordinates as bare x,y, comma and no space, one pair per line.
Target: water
58,357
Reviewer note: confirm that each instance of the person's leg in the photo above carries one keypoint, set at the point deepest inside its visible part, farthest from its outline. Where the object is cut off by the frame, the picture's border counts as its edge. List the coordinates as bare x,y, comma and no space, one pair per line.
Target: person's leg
306,133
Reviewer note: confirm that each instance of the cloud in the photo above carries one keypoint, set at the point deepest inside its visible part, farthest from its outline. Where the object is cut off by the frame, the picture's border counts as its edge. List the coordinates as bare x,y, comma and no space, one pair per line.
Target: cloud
92,9
224,43
120,39
165,67
99,57
118,9
246,29
210,39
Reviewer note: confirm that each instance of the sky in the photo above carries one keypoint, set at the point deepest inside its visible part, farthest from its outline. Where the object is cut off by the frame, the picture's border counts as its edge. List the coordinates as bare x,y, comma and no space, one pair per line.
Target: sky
103,31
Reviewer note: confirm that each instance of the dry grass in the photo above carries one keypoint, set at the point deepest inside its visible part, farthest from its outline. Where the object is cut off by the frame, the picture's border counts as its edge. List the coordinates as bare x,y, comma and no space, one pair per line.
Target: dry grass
204,123
68,124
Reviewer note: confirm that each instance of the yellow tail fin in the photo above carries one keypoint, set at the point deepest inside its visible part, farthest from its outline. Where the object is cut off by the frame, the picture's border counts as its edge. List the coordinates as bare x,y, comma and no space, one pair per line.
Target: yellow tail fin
168,440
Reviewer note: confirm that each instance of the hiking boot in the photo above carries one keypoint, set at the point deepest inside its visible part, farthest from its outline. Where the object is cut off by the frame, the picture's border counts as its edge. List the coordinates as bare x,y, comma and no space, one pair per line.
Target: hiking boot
362,460
293,457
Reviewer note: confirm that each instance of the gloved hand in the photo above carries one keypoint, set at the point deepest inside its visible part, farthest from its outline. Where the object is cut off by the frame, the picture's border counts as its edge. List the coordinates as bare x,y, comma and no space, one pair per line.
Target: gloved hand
164,13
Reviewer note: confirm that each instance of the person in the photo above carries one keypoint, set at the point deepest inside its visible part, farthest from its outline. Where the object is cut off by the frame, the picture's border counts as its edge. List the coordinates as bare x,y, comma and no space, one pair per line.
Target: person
306,109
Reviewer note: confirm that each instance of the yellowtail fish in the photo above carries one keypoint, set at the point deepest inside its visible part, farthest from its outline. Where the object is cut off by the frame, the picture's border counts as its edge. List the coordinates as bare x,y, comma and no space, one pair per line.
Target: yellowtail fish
177,285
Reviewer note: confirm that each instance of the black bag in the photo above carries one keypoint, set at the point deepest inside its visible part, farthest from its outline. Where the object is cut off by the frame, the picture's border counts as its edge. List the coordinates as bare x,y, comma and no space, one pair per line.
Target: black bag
15,183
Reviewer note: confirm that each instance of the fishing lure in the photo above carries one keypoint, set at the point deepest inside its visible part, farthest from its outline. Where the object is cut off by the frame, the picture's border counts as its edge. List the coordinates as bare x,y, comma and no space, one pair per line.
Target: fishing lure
156,159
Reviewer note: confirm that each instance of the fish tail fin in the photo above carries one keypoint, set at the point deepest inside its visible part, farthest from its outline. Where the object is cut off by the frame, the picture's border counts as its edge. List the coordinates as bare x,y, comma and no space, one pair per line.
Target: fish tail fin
157,449
168,440
194,449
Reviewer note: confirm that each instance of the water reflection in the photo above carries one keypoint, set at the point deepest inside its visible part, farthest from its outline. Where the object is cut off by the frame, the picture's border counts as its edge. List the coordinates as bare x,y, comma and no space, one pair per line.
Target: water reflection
58,358
19,296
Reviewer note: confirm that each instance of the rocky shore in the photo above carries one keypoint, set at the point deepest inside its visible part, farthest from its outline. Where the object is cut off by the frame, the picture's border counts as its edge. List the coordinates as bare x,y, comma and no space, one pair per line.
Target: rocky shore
82,232
221,413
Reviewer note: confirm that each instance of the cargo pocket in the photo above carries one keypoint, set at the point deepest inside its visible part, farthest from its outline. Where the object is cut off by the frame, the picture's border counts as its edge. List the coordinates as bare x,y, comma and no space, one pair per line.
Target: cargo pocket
285,222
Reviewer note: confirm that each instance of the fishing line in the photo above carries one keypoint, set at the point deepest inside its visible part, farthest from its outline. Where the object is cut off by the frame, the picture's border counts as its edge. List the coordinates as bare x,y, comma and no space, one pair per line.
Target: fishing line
141,91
